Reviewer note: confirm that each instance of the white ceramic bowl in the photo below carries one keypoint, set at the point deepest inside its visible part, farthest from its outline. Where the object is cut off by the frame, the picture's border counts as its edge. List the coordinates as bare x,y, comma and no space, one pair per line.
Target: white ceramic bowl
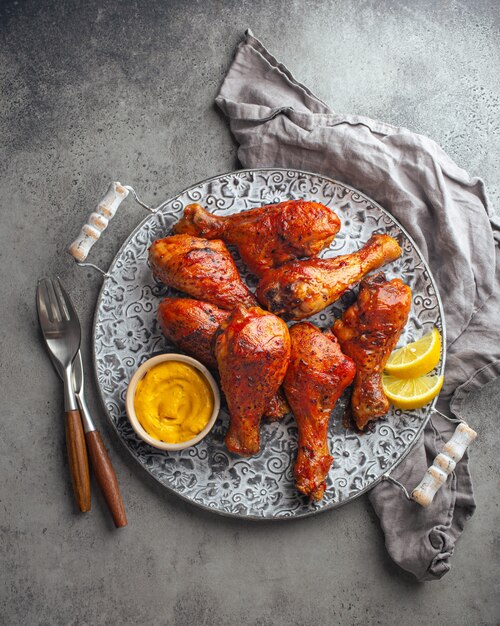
132,386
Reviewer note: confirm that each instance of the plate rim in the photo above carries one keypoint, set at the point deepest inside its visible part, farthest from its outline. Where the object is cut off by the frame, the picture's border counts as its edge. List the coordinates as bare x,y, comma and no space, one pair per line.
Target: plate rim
332,505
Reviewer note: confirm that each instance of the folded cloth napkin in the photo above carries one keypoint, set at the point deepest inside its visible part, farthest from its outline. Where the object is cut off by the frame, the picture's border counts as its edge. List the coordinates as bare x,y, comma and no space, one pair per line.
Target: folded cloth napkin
280,123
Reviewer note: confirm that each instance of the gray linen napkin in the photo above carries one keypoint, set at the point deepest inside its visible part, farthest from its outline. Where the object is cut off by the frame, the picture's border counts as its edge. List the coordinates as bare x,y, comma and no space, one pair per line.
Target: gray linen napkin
280,123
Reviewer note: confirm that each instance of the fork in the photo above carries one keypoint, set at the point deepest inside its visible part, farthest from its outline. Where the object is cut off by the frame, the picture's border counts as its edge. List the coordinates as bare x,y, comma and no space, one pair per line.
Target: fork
61,331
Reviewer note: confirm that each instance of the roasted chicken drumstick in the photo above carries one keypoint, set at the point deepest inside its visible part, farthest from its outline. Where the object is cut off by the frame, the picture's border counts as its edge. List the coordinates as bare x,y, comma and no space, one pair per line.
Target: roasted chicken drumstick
191,325
252,352
316,378
201,268
368,332
268,236
301,288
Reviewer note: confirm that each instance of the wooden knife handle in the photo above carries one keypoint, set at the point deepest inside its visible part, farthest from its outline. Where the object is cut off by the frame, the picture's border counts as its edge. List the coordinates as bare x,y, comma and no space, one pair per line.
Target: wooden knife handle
78,461
106,477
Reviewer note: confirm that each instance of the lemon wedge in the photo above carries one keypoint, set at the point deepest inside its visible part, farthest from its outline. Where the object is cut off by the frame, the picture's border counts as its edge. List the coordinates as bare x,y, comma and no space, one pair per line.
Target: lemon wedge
411,393
417,358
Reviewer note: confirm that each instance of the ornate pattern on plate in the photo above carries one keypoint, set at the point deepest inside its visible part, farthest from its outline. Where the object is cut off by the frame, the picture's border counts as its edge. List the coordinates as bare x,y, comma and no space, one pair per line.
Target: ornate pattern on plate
126,334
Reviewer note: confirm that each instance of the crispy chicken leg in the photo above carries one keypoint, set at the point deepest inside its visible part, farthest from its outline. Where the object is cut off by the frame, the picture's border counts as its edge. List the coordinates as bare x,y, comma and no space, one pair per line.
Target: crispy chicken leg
268,236
316,378
368,332
300,289
201,268
191,325
252,351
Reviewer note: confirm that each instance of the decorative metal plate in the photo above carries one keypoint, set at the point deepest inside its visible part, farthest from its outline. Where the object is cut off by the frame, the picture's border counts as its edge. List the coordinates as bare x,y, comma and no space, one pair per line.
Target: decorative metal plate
261,487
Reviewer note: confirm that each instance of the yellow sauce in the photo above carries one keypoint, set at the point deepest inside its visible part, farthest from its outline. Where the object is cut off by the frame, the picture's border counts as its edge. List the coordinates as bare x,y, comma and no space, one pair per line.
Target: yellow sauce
173,402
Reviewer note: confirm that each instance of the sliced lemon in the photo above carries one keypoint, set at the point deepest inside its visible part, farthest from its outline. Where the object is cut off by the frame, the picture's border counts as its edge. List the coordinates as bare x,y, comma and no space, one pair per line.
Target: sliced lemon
411,393
417,358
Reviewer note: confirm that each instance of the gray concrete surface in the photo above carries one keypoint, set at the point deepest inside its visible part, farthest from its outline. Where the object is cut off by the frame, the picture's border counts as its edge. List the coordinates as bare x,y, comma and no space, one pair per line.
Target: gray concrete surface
98,91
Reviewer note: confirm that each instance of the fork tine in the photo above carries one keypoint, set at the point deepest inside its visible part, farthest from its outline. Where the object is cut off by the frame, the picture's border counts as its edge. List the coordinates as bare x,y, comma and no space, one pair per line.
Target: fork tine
61,299
68,305
53,302
42,299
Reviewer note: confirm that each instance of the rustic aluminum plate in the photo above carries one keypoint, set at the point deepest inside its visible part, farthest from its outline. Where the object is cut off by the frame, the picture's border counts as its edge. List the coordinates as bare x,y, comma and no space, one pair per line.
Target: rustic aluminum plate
261,487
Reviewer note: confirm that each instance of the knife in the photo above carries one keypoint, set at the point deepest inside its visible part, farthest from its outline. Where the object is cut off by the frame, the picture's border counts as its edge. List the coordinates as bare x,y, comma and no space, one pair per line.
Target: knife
101,463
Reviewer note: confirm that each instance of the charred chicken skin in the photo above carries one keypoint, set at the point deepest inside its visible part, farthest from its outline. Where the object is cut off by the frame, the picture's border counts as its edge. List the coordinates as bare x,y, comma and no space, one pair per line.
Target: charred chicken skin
269,236
201,268
252,350
368,332
277,407
191,325
316,378
302,288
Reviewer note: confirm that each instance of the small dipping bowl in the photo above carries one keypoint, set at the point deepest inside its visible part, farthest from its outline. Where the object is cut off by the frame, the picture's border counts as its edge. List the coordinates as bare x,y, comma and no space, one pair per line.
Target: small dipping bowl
130,397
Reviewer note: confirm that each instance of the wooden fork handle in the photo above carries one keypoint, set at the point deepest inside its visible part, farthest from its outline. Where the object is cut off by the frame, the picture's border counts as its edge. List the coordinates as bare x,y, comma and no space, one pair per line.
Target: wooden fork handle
106,477
78,462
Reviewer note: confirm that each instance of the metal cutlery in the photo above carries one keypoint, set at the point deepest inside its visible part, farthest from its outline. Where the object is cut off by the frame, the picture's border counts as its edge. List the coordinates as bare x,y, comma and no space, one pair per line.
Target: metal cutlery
101,464
61,331
83,429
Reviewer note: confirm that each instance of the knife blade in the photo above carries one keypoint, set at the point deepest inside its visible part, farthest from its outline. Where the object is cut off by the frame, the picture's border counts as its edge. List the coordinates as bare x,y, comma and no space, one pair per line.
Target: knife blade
78,388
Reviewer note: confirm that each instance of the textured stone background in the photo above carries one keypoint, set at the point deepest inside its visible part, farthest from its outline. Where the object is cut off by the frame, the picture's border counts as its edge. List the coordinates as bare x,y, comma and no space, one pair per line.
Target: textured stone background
99,91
